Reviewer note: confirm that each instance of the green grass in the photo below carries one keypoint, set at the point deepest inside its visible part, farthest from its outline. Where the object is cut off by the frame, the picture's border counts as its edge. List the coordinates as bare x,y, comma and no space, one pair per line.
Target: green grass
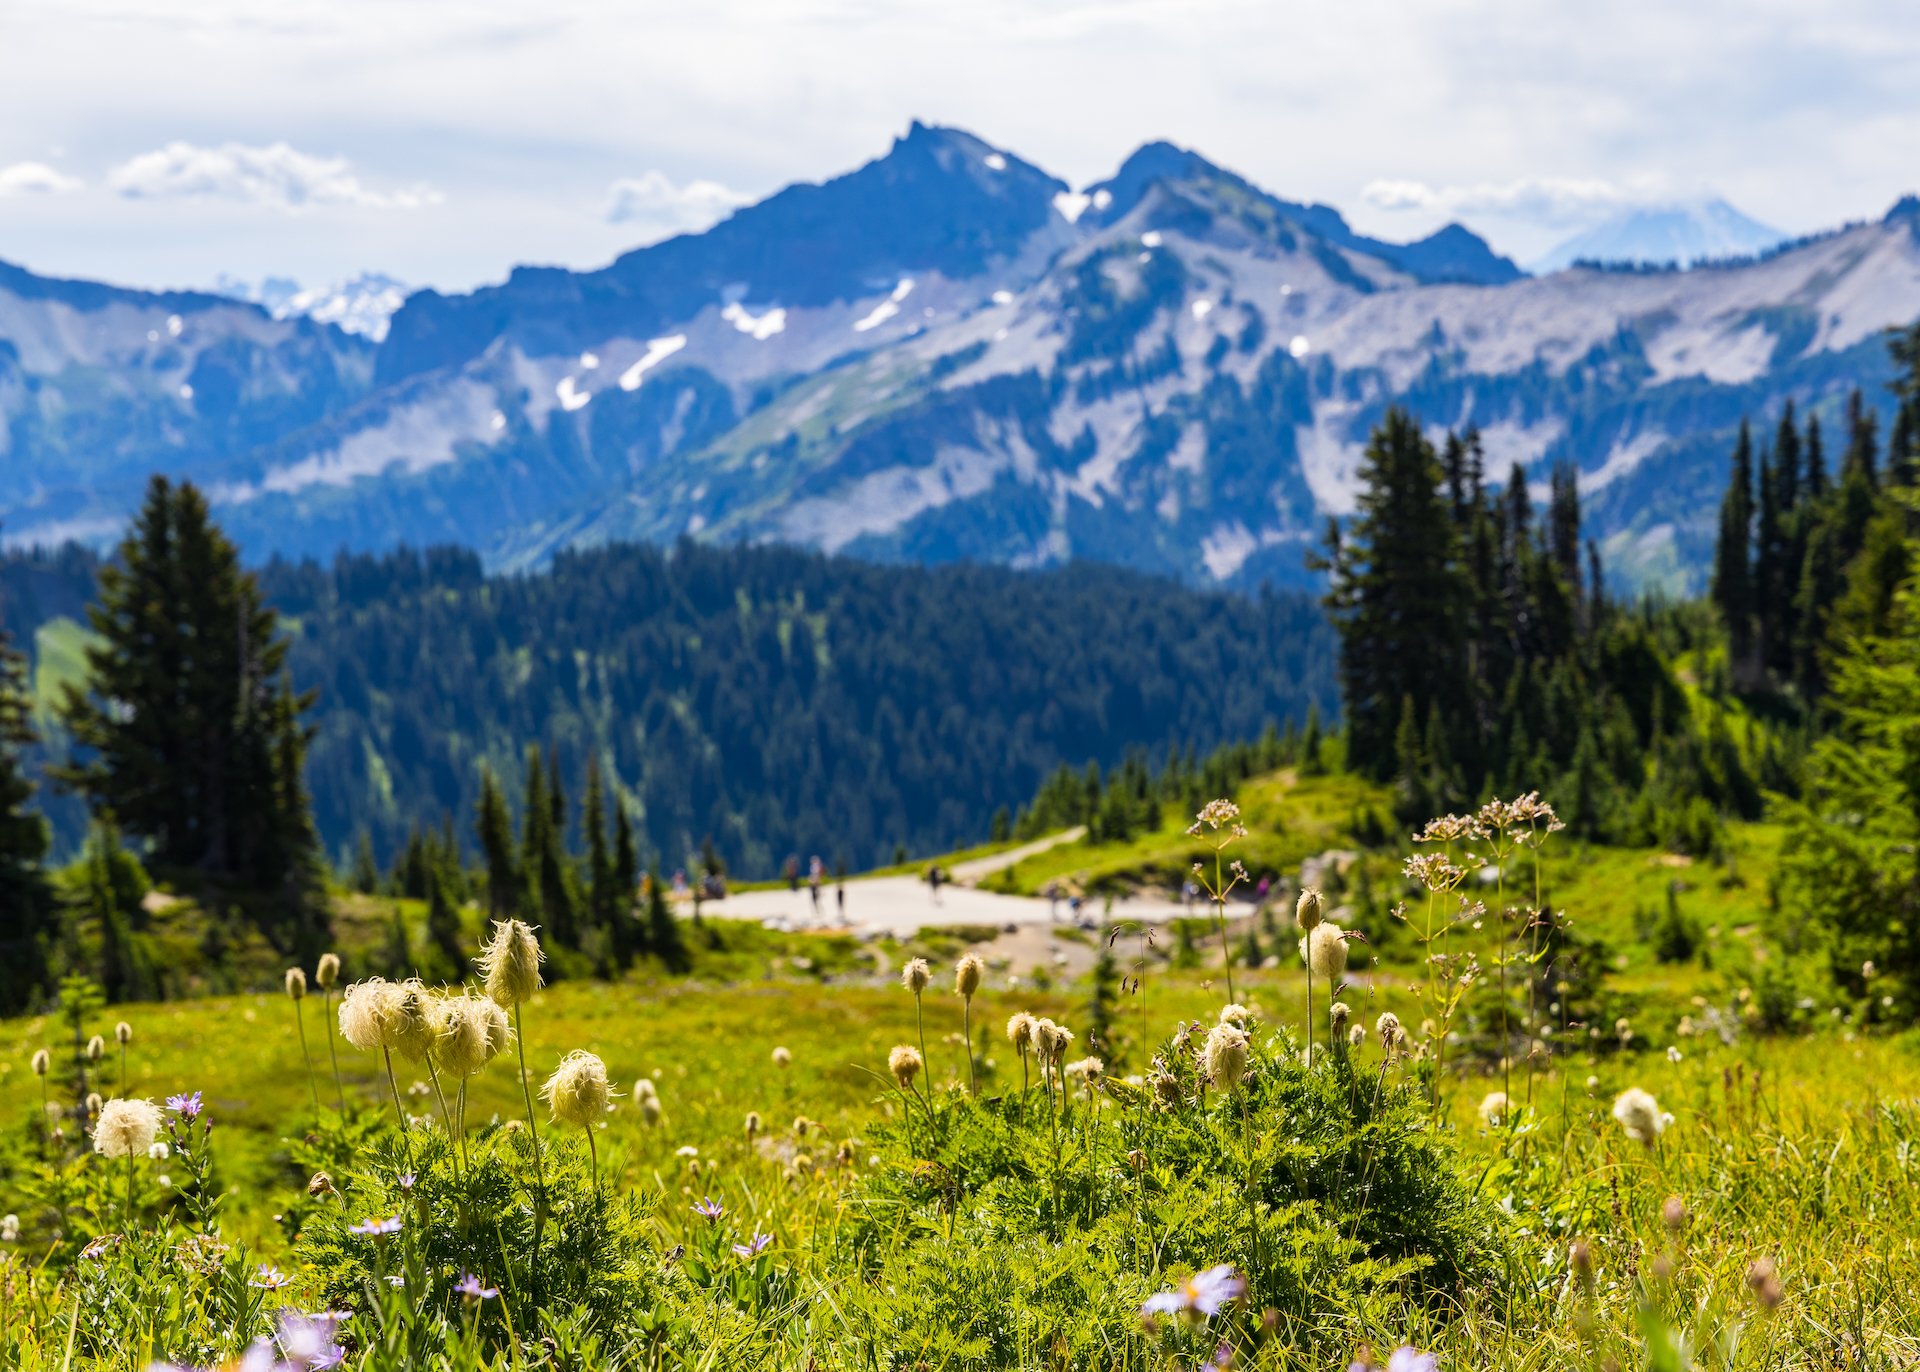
1793,1150
59,659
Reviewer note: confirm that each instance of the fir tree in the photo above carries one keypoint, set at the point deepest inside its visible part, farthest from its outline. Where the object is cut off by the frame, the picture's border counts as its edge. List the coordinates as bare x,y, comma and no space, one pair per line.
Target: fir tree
365,876
26,905
603,895
1396,596
626,880
663,930
1733,567
190,734
493,826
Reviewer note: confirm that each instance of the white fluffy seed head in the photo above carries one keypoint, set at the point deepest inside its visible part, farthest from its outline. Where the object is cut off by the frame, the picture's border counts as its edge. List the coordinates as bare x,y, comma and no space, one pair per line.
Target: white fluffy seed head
1020,1031
328,972
297,983
1235,1014
94,1102
42,1062
460,1038
578,1091
123,1033
1224,1059
1356,1036
367,1014
96,1048
967,974
915,975
905,1064
1393,1036
126,1128
1639,1115
1337,1015
510,962
413,1020
1493,1109
1306,910
1324,950
782,1058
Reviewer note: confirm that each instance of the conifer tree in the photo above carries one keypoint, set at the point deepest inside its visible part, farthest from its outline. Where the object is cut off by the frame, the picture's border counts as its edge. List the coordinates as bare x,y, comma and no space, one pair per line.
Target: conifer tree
1396,596
663,930
1816,460
493,826
626,880
365,876
190,734
536,824
26,905
602,897
1733,567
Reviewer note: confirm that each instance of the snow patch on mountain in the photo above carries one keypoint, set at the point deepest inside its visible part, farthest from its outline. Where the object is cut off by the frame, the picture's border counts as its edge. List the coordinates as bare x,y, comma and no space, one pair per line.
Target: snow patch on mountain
886,309
658,351
761,326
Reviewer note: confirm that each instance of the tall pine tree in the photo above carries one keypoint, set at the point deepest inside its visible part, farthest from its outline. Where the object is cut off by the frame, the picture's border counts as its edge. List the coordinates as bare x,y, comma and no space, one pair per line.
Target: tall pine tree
493,826
26,906
1397,597
1733,591
187,735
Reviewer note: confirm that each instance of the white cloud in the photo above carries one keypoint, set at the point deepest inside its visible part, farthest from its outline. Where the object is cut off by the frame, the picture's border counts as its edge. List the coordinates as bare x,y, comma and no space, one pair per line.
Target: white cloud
277,174
654,202
1549,200
35,178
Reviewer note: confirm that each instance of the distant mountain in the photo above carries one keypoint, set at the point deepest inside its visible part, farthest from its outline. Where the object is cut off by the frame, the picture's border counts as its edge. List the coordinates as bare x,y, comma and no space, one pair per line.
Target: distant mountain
1684,234
101,386
950,354
362,304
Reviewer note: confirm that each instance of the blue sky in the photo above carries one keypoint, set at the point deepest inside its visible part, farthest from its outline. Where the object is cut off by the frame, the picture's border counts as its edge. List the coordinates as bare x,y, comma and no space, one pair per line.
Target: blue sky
163,142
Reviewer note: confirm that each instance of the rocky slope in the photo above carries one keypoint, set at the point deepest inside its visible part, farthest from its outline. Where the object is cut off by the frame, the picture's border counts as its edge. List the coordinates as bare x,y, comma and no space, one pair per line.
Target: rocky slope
949,353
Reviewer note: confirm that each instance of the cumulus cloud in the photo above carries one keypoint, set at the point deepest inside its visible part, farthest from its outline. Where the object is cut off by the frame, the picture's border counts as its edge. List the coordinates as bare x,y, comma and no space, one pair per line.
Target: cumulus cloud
277,174
655,203
1548,200
35,178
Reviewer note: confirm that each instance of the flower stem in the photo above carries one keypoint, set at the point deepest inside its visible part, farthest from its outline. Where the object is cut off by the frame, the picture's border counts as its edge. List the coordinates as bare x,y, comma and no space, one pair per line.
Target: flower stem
333,1054
313,1088
966,1029
539,1168
398,1109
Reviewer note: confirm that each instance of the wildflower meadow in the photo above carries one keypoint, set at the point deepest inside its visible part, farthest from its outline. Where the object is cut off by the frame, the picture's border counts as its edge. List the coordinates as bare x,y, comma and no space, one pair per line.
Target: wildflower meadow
1329,1158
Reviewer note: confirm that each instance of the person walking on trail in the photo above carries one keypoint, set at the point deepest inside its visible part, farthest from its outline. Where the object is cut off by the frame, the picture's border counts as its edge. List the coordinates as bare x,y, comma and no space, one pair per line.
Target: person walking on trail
1053,902
813,884
934,877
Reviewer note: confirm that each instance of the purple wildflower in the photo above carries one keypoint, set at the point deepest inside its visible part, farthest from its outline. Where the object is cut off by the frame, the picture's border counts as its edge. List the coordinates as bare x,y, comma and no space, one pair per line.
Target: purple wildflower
406,1181
710,1208
270,1278
309,1342
469,1286
187,1106
1406,1358
753,1248
377,1229
1204,1293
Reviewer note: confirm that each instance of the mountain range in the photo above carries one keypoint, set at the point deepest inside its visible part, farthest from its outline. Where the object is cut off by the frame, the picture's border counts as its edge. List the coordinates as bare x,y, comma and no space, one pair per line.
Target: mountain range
945,354
1684,233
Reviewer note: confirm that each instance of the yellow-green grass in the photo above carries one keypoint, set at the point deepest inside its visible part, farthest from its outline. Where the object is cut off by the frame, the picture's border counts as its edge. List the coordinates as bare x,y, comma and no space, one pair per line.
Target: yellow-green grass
1795,1150
59,659
1289,818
